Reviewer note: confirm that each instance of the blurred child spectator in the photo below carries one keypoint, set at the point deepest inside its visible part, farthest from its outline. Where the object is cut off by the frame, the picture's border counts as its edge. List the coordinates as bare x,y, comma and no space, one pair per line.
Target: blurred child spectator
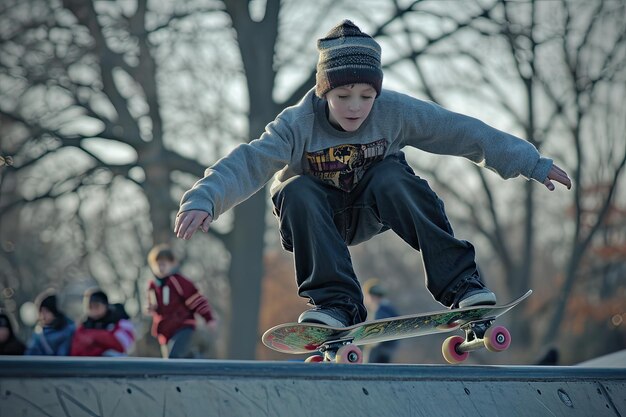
53,336
9,343
107,331
379,306
173,300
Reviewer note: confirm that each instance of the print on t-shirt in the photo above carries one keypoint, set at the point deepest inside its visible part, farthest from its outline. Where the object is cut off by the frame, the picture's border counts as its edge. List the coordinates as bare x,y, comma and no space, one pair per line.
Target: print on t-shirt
343,166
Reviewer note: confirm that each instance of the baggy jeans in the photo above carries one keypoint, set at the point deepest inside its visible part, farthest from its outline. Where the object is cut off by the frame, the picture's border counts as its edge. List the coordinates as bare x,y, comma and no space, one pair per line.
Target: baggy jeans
318,222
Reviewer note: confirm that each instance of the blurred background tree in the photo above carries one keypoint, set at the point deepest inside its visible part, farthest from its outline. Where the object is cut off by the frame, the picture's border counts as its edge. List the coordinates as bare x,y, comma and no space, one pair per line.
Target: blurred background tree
109,110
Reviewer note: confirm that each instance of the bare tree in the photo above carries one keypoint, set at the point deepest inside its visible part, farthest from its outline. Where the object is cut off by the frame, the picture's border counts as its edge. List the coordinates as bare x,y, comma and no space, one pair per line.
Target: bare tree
111,80
539,72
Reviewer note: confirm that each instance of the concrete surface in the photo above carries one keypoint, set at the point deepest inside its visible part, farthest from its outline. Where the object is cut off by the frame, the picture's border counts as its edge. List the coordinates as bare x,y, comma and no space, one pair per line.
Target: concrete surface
151,387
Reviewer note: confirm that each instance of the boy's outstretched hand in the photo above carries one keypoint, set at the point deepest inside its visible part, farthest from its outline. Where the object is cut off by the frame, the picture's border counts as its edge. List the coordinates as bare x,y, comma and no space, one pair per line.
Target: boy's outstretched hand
188,222
558,175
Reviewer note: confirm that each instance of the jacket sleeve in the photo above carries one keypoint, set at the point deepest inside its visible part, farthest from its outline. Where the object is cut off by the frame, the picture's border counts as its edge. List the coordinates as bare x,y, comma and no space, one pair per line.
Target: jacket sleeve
106,340
89,342
432,128
78,343
152,298
125,334
34,346
194,301
65,346
242,172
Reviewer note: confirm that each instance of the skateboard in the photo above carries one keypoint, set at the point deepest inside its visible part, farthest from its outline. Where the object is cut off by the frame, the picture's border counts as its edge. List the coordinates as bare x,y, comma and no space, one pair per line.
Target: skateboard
339,345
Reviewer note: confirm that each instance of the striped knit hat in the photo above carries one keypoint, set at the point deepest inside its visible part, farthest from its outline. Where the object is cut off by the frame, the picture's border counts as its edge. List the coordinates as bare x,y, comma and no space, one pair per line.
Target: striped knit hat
347,56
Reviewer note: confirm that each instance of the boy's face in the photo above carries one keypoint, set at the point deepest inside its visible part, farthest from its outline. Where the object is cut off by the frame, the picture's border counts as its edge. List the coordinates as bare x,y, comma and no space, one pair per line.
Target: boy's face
96,311
349,105
371,301
45,316
163,267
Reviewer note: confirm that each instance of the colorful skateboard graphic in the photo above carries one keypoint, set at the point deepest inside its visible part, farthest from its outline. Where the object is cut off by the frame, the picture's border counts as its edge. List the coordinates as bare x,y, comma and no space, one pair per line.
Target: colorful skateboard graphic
340,344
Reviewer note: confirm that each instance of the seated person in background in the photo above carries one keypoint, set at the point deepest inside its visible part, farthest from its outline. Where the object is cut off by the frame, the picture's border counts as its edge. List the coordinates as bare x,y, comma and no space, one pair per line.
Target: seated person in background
107,331
53,336
9,343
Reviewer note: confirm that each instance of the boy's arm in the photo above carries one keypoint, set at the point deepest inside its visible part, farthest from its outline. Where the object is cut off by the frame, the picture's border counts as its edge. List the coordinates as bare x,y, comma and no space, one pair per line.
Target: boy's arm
240,174
194,301
434,129
151,298
200,305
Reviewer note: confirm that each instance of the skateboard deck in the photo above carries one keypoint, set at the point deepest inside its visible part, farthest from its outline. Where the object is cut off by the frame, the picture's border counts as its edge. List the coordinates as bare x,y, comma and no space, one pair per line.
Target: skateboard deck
299,338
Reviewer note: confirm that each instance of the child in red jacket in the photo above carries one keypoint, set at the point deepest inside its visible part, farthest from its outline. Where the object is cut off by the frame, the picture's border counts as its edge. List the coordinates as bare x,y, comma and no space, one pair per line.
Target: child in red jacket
107,330
173,300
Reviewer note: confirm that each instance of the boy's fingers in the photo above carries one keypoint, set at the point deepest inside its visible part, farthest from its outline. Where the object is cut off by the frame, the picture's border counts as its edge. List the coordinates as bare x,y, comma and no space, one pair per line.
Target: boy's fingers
196,221
177,223
558,174
183,225
549,184
199,220
206,223
187,223
563,179
567,181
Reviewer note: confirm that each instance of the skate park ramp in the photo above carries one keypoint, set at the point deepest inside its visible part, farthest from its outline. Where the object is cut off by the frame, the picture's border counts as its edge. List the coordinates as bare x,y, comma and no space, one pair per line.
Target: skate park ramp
32,386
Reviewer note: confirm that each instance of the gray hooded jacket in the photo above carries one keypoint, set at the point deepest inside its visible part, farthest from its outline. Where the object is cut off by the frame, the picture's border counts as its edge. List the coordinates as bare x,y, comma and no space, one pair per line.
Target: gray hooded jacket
302,141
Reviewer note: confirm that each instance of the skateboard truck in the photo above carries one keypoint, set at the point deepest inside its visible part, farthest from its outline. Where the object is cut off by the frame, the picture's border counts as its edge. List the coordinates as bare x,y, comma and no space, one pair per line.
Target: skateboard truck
474,335
456,349
338,351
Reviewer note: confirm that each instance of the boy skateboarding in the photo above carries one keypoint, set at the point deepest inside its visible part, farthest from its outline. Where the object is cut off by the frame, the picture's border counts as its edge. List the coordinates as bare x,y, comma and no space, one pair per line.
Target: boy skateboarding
342,178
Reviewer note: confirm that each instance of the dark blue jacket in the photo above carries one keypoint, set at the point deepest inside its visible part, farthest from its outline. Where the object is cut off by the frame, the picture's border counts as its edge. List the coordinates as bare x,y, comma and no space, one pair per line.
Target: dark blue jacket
385,311
54,340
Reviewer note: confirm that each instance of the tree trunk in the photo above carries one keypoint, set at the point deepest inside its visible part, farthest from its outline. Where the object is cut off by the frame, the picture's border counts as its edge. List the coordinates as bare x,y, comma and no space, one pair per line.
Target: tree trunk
256,42
245,273
246,245
156,187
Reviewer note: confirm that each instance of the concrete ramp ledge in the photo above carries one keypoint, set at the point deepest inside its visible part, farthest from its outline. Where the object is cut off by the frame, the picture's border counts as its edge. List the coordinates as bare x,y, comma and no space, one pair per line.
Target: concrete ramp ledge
148,387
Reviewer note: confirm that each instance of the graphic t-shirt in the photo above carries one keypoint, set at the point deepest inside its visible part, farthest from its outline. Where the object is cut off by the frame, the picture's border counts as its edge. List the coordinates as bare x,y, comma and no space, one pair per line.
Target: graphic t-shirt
343,166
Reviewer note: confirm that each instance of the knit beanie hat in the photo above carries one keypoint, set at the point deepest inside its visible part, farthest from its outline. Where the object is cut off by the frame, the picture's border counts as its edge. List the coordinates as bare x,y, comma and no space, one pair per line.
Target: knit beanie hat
48,300
96,296
347,56
373,287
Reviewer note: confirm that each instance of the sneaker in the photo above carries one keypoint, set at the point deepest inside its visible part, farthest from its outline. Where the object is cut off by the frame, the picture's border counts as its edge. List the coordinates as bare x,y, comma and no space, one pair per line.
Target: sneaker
329,316
477,297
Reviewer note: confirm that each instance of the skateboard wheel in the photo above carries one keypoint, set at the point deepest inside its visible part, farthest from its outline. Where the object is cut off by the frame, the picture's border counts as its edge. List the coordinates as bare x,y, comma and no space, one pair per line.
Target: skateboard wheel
349,354
497,339
450,352
314,358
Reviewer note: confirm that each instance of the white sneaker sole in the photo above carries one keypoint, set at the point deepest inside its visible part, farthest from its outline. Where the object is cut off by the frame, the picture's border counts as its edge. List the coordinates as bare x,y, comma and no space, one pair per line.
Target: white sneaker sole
319,318
483,298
